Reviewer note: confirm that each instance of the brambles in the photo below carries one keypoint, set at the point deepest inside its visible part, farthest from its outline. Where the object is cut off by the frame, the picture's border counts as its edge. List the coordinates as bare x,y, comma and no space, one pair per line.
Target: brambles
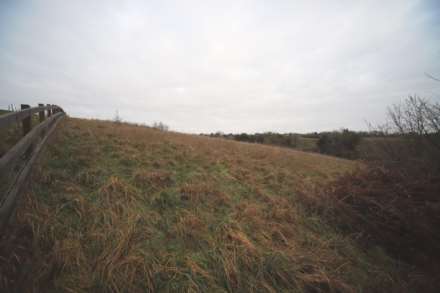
389,208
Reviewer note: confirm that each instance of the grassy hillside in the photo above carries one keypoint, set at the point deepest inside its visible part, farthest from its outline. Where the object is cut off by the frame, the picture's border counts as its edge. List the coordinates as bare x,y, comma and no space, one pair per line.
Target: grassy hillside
121,208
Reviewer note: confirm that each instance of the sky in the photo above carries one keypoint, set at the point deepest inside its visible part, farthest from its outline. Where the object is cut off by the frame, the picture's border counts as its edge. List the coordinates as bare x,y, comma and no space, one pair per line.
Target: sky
230,66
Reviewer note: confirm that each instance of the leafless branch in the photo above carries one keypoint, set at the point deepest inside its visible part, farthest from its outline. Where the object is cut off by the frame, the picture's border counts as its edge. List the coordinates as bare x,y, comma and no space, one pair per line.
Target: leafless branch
432,77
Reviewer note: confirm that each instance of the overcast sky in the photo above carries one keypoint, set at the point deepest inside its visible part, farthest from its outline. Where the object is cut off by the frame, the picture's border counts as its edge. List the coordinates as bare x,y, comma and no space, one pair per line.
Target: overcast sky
232,66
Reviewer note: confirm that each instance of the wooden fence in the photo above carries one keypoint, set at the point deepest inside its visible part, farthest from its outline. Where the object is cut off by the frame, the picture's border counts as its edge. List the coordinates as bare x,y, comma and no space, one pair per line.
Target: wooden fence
16,164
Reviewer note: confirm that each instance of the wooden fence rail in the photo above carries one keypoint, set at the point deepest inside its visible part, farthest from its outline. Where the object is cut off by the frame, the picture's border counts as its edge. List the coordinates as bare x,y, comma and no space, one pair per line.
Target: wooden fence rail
16,164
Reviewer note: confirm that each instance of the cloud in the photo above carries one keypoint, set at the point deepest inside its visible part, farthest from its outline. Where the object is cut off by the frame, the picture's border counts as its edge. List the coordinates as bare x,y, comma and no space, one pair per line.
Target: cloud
220,65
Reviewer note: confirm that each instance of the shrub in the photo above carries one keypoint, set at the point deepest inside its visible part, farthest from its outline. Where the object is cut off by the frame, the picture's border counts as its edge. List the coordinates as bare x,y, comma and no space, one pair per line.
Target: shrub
339,143
390,208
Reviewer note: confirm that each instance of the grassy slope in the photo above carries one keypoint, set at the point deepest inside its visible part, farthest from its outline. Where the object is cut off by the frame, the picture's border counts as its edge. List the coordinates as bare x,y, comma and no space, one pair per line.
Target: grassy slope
125,208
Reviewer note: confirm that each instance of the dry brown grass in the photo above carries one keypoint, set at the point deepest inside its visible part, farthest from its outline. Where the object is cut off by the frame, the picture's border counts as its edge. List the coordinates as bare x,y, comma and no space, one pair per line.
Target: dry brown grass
120,208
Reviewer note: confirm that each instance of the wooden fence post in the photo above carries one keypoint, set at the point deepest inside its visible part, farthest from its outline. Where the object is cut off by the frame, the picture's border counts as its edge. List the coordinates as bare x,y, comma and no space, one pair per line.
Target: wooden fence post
26,123
41,113
49,111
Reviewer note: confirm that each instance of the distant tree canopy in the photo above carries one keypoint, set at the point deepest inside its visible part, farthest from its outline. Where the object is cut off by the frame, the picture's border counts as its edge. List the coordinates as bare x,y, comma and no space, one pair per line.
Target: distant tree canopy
414,118
339,143
285,139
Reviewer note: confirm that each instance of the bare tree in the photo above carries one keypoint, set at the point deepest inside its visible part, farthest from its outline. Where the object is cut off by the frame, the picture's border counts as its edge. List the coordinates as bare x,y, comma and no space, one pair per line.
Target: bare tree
12,108
160,126
416,117
117,118
432,77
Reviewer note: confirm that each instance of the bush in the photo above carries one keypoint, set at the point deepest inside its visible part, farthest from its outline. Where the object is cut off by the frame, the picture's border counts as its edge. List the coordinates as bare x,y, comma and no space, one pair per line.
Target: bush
339,143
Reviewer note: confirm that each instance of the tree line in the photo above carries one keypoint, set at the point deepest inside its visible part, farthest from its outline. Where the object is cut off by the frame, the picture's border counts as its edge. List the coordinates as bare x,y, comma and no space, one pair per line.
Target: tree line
340,143
414,119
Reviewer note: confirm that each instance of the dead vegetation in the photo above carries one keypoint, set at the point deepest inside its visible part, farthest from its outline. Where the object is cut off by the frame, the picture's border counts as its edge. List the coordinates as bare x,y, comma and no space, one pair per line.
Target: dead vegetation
120,208
387,208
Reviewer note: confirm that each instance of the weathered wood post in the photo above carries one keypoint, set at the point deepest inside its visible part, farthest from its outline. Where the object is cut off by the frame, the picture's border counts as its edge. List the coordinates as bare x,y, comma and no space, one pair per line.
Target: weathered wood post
41,113
49,111
26,123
